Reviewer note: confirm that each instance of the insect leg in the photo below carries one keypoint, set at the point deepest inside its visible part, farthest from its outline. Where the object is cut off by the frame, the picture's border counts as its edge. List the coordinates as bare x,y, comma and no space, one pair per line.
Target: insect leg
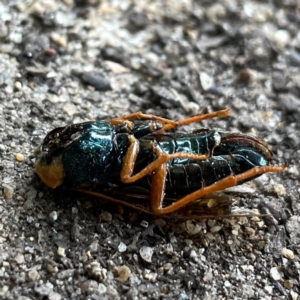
161,158
169,124
217,186
259,171
217,114
158,168
139,115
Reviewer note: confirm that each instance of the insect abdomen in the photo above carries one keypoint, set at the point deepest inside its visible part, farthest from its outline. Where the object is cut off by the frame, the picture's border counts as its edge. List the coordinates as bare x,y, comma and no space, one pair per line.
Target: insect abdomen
187,178
198,143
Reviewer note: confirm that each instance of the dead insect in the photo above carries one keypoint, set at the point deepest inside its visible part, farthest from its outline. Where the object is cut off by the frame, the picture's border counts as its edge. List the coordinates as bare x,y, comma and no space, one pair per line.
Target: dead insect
138,153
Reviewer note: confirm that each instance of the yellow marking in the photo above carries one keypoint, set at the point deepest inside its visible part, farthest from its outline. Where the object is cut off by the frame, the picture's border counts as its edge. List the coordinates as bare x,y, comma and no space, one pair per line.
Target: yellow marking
53,174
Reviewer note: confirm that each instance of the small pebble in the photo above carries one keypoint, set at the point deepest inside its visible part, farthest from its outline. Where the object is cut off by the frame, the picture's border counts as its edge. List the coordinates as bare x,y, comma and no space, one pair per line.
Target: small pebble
160,222
18,86
215,12
246,76
193,254
33,274
3,30
287,253
19,259
269,289
70,109
279,189
52,268
28,204
8,191
122,247
288,284
15,37
116,68
50,52
281,38
146,253
294,295
227,283
215,229
89,287
102,288
59,40
53,215
275,274
74,210
260,12
137,20
61,251
4,289
208,276
151,276
94,246
247,268
144,224
43,290
235,232
54,296
211,222
105,217
167,266
96,80
124,273
95,271
206,81
192,228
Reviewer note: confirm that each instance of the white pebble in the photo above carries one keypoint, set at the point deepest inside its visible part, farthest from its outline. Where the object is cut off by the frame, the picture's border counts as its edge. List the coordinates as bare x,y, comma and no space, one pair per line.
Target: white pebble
275,274
192,228
70,109
122,247
61,251
294,295
258,12
215,229
287,253
146,253
206,81
18,85
227,283
15,37
53,215
269,289
281,38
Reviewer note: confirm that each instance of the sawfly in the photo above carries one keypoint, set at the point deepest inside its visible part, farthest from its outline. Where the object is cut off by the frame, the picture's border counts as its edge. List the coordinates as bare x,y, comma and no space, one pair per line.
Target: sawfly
144,162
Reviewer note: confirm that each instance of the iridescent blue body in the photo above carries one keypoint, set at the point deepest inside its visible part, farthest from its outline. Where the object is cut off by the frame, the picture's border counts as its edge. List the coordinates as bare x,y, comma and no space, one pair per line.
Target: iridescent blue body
92,153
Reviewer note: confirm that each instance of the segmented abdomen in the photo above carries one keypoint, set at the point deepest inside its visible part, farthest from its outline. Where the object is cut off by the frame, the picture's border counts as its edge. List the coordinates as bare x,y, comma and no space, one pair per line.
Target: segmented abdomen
229,154
187,178
197,143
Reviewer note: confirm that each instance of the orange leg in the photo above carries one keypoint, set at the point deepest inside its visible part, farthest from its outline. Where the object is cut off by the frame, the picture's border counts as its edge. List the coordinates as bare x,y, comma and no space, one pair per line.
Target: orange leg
158,170
162,158
169,124
139,115
158,187
229,181
217,114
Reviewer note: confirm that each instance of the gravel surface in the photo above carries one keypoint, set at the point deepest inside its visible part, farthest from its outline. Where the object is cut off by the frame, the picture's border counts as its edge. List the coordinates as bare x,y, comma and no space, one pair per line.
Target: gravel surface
70,61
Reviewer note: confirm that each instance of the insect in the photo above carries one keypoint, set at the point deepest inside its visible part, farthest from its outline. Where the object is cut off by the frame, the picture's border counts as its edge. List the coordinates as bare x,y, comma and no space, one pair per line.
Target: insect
146,154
